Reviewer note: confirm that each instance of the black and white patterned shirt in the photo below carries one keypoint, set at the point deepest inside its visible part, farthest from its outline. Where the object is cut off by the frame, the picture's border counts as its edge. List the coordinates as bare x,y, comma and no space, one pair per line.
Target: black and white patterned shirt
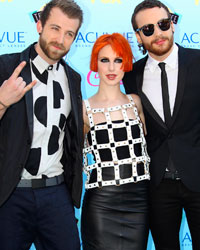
51,107
115,145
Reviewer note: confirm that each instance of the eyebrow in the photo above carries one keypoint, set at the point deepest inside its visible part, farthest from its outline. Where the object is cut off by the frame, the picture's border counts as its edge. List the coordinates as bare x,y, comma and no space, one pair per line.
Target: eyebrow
55,25
165,18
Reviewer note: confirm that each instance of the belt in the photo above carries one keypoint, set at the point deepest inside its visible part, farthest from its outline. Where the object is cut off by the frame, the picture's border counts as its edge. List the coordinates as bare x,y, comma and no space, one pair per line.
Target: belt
40,183
171,176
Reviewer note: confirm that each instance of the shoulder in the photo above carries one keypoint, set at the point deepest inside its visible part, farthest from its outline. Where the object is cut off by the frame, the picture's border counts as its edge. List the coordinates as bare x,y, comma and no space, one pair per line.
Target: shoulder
84,107
189,52
85,118
136,98
71,71
137,101
11,60
138,67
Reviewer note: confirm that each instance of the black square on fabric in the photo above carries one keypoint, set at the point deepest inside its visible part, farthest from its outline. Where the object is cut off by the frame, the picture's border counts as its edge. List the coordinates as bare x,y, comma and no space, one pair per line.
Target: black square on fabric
125,171
123,152
138,149
109,125
112,145
102,136
105,154
120,134
140,168
108,174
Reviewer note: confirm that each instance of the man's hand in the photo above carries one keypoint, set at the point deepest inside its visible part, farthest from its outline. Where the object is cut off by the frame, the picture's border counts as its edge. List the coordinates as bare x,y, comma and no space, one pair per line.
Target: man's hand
13,89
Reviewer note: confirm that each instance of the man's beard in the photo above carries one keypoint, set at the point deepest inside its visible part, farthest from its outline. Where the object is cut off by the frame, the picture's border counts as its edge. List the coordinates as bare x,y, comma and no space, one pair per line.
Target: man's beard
53,55
159,51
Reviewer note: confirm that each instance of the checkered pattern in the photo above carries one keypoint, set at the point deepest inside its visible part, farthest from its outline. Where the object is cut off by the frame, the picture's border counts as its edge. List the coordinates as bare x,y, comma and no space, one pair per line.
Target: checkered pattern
95,148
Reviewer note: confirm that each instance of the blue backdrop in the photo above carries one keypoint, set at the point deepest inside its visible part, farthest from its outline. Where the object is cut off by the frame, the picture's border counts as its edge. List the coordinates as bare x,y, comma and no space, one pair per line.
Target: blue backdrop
18,30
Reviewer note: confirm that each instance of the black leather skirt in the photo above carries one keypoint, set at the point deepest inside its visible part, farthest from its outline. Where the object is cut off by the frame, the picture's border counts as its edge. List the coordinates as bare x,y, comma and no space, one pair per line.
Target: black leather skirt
116,217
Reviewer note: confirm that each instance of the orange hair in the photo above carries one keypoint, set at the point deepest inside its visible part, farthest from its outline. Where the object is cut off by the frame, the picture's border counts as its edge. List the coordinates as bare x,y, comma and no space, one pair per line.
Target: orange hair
119,44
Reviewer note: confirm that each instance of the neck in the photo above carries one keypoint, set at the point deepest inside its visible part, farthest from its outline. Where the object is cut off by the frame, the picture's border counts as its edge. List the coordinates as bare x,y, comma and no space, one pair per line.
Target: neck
161,58
109,92
43,56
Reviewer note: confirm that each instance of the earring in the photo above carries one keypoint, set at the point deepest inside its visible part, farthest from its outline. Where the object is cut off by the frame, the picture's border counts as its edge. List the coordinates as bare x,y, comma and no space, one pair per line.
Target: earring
142,48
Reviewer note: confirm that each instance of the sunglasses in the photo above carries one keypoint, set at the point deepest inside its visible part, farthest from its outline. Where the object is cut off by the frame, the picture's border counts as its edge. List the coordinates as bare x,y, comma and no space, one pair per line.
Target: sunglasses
148,29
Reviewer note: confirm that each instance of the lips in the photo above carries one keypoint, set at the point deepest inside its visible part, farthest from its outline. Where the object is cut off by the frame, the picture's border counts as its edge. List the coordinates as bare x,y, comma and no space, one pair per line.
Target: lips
111,76
160,41
57,46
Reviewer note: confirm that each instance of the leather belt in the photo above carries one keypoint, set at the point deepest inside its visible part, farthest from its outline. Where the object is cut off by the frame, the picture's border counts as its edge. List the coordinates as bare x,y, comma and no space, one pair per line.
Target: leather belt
40,183
171,176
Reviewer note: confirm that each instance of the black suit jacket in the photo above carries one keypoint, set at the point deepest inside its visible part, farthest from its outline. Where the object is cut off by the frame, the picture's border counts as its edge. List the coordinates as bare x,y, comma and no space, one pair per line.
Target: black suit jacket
182,139
16,131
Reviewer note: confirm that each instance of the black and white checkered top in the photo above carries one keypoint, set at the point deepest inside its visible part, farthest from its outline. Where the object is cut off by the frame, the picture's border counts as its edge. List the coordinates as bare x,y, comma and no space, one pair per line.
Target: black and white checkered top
115,146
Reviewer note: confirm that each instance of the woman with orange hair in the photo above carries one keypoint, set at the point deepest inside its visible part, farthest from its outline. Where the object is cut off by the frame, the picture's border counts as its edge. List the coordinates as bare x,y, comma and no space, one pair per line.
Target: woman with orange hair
115,206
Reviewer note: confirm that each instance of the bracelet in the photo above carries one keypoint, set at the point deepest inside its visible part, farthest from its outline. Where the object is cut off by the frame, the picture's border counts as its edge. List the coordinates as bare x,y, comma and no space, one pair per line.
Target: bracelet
5,106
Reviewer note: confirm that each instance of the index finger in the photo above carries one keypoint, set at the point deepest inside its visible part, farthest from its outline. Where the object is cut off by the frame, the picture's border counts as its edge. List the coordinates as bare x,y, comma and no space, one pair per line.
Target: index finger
18,70
29,86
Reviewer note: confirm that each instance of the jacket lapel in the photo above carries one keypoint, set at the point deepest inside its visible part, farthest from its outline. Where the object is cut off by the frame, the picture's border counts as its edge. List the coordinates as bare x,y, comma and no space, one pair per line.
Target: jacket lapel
26,75
182,72
73,94
145,101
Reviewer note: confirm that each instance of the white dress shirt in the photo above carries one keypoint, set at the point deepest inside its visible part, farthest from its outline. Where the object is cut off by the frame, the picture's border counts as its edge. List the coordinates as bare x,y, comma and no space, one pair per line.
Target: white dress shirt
152,81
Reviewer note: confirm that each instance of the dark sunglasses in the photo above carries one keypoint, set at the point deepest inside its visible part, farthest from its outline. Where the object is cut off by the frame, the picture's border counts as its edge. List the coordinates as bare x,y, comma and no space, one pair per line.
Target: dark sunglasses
148,29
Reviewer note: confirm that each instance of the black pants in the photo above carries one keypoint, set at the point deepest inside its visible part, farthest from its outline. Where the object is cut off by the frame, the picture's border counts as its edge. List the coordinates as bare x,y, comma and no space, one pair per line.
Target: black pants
45,214
166,205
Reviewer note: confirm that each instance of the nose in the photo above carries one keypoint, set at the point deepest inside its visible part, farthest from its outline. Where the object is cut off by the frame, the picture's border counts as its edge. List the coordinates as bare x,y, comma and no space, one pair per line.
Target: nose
60,38
157,30
111,66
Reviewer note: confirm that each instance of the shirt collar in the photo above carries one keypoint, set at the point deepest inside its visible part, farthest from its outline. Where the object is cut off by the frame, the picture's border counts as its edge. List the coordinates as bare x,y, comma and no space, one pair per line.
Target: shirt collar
171,61
41,64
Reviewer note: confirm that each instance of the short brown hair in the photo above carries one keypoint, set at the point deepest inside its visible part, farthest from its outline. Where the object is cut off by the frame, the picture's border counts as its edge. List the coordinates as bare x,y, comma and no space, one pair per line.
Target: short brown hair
68,7
147,4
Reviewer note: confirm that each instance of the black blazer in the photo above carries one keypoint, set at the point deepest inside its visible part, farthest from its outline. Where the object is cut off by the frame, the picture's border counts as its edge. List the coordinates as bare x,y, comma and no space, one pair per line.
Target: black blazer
182,139
16,131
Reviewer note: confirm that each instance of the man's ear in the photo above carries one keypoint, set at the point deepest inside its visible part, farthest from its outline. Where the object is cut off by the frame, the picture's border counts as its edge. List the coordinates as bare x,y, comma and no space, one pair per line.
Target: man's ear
172,25
39,27
137,34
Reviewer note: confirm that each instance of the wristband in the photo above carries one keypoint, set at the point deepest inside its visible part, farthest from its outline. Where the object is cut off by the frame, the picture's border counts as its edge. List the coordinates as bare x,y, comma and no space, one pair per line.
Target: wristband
5,106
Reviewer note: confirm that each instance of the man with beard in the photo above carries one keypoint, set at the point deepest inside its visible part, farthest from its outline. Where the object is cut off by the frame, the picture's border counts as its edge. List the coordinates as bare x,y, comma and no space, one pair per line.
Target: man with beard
167,80
41,137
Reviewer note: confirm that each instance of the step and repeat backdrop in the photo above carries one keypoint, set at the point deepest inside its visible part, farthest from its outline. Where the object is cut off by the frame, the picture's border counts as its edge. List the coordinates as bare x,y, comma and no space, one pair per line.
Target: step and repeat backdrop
18,31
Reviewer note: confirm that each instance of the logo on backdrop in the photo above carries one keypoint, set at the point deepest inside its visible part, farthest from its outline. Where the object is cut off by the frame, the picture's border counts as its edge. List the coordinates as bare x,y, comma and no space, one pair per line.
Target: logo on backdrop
36,14
187,240
88,39
189,39
12,39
